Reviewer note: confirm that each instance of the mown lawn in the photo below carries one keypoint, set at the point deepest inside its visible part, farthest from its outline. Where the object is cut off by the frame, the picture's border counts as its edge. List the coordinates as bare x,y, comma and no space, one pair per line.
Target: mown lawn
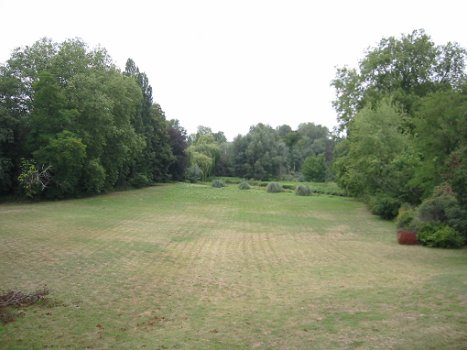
192,267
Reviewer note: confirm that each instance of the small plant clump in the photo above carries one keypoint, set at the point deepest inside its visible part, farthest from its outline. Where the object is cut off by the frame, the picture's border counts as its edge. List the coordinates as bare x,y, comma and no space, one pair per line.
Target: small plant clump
274,187
218,183
244,186
406,218
407,237
16,299
194,173
303,190
384,206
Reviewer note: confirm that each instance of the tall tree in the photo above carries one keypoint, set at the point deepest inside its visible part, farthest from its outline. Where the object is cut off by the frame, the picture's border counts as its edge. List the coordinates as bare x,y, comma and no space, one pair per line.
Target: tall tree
402,115
11,125
178,144
313,140
204,152
377,158
260,154
69,110
441,140
150,122
407,69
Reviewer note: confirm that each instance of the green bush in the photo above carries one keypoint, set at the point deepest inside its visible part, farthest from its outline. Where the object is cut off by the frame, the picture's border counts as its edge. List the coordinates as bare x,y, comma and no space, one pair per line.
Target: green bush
94,177
194,173
303,190
244,185
314,168
274,187
406,218
440,236
443,207
384,206
139,180
218,183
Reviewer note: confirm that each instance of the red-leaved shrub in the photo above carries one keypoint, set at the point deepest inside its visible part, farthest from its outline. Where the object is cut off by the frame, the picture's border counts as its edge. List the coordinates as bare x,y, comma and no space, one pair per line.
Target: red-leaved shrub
407,237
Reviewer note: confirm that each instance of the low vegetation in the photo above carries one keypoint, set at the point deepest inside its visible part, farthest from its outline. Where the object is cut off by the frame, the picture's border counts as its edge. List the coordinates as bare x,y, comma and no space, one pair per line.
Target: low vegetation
439,221
188,266
14,299
274,187
244,185
302,190
217,183
440,236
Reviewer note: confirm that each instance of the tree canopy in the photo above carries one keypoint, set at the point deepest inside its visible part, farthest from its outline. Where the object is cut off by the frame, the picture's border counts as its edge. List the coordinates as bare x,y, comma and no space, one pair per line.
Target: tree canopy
407,68
70,110
402,121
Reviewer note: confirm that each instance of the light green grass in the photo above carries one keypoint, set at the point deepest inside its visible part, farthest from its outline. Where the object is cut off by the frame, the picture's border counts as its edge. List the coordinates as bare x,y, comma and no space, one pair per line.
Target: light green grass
194,267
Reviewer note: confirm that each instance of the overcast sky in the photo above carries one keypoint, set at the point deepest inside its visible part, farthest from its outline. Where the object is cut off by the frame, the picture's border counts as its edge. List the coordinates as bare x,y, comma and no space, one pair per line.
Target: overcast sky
231,64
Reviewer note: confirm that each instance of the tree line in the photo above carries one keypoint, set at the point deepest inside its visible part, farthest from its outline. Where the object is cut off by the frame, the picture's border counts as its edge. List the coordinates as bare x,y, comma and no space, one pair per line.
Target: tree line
402,117
73,124
264,153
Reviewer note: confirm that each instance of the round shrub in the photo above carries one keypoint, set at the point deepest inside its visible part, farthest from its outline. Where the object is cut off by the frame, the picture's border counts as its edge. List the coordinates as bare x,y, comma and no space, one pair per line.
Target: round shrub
440,236
443,208
194,173
384,206
406,237
218,183
274,187
303,190
406,218
244,185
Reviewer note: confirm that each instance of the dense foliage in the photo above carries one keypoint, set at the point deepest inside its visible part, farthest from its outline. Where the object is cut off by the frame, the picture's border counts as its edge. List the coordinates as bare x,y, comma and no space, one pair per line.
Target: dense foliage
71,123
440,236
403,124
264,153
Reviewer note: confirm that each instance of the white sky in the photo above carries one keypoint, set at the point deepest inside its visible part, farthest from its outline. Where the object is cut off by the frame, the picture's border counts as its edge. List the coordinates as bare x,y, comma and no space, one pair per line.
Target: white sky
229,64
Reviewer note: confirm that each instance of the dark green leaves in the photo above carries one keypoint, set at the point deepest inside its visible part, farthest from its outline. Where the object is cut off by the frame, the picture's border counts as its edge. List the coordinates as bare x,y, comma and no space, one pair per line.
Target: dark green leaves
69,109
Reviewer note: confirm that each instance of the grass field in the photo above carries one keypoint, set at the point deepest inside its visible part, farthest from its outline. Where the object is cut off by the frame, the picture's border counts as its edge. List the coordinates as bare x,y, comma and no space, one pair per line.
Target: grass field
192,267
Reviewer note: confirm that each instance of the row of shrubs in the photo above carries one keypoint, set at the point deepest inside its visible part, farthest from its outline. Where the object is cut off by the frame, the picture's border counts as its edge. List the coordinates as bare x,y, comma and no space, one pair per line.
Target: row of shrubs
326,188
271,187
439,221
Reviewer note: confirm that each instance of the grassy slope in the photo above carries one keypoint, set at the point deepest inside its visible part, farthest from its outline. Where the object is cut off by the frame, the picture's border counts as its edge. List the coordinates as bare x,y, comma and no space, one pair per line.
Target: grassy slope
193,267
